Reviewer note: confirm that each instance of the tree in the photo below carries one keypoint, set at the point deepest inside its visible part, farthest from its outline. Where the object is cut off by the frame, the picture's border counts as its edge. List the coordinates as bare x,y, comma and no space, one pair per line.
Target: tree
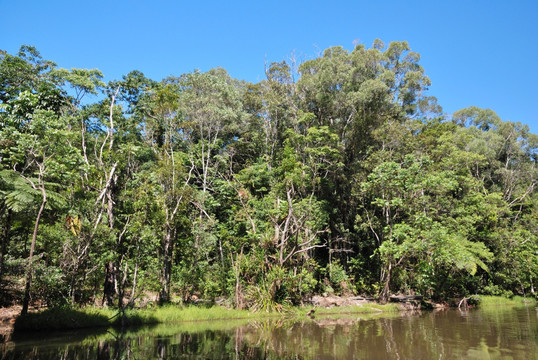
26,71
165,134
347,178
40,154
422,225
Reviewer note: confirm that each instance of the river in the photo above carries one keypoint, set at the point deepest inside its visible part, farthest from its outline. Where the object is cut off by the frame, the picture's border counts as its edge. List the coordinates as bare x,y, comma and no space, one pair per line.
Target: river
489,333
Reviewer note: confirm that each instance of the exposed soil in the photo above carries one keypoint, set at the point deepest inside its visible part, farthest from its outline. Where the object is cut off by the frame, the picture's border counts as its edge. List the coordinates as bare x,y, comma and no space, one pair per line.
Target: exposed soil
7,319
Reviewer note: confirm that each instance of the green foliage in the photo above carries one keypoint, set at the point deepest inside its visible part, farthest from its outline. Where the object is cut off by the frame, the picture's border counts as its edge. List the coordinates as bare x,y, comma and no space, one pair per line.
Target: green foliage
486,301
16,192
340,176
336,280
50,285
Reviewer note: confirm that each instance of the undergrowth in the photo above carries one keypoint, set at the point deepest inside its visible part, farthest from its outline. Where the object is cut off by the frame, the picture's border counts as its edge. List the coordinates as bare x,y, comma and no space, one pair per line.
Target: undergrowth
487,300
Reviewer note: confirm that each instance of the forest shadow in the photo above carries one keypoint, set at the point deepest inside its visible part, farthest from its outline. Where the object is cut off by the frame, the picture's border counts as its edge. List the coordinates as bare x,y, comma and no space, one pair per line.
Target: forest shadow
67,319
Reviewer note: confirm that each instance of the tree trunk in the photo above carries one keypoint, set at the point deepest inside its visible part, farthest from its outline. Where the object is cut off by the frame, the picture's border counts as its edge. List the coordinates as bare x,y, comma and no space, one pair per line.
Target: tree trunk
72,290
109,285
29,269
164,295
5,242
237,270
135,276
385,293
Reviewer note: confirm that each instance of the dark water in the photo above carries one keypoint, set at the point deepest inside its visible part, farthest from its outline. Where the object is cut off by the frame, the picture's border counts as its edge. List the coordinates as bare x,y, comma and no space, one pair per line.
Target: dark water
494,333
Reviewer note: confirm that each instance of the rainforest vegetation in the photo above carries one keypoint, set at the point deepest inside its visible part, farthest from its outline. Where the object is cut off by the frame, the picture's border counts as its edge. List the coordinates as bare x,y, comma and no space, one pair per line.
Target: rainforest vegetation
338,175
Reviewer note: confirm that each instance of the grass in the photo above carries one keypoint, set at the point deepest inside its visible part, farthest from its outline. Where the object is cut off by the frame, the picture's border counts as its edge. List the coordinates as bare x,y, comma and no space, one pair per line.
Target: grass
93,317
65,318
88,317
171,314
363,309
169,329
486,300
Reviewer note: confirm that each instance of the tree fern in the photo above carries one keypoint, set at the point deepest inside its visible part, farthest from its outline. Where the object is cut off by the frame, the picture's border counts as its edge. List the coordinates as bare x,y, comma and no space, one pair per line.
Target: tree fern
16,192
19,195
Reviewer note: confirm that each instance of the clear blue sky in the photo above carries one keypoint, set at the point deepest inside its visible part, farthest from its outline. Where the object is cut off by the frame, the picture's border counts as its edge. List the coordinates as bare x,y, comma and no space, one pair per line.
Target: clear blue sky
476,52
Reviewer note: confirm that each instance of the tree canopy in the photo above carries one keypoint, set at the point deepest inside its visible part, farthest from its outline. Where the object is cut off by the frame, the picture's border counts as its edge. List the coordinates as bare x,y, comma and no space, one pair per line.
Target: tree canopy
339,176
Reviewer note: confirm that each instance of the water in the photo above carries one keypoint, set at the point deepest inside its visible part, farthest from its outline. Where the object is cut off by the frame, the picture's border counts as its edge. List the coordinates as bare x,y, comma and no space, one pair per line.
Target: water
493,333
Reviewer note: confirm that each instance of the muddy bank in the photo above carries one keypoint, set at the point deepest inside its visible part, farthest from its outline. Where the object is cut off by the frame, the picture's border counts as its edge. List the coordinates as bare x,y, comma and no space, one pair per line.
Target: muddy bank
7,320
404,301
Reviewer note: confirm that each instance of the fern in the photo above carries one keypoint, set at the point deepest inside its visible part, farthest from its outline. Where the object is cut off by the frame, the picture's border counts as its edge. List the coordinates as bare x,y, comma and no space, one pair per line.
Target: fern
19,195
56,200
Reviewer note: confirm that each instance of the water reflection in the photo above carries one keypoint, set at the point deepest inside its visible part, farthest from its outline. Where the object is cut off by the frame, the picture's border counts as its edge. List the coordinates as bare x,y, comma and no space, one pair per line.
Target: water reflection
508,333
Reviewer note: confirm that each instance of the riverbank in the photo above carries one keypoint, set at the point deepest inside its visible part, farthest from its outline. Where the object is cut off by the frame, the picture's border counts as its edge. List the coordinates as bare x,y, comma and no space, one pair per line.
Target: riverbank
91,317
491,332
486,300
64,318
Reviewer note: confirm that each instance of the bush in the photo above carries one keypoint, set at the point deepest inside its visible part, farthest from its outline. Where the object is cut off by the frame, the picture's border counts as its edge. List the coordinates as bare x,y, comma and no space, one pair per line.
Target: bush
336,279
49,285
496,290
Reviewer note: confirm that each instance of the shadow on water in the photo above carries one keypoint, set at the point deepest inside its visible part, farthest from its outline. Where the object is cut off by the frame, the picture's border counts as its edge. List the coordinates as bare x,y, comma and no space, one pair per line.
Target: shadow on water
490,333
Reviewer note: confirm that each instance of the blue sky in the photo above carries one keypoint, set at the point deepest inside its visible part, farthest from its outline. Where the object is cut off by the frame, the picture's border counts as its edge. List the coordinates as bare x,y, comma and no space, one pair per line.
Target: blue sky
482,53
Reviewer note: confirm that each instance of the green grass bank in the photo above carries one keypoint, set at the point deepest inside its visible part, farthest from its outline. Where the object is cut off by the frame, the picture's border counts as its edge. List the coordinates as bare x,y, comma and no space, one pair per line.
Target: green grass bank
91,317
88,317
488,301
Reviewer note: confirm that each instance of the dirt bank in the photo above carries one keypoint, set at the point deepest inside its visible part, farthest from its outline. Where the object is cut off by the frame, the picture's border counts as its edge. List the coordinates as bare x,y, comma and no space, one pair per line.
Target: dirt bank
7,319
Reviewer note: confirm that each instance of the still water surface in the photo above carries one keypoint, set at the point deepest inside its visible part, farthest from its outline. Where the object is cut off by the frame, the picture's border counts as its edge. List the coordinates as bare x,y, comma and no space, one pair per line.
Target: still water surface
492,333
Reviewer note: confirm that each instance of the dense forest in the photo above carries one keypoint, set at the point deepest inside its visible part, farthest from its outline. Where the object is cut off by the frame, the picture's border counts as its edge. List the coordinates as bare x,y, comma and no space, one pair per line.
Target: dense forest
338,175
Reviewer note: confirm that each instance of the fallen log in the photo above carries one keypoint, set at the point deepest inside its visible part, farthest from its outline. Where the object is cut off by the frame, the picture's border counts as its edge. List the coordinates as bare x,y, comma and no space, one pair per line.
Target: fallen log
405,298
